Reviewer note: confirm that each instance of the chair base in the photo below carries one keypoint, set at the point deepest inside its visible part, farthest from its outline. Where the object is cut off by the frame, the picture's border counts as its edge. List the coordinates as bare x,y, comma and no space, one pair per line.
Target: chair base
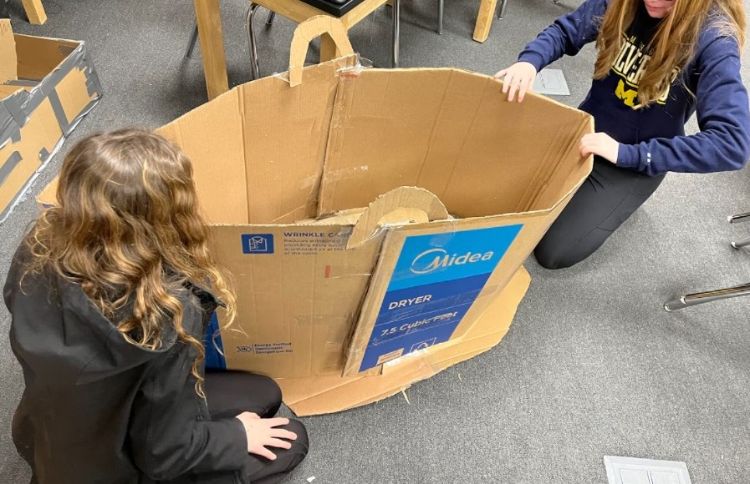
740,244
707,296
192,43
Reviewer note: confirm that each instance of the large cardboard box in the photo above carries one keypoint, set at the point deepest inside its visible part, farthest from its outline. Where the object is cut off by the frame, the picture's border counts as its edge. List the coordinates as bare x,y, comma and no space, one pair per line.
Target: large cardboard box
46,87
313,304
457,186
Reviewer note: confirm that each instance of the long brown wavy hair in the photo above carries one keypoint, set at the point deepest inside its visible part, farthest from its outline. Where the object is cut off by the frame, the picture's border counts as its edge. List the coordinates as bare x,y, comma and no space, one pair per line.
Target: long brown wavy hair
127,229
674,41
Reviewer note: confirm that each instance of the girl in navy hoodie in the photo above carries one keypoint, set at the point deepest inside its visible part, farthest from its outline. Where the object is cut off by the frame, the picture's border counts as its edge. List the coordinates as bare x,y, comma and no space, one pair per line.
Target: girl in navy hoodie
658,62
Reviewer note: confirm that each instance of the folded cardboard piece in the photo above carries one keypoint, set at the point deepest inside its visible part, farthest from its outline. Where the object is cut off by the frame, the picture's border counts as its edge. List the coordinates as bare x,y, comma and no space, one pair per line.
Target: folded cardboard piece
328,196
320,395
46,87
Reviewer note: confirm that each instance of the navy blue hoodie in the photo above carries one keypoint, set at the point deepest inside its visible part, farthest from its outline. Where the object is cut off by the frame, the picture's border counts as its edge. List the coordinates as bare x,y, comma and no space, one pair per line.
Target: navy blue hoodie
652,139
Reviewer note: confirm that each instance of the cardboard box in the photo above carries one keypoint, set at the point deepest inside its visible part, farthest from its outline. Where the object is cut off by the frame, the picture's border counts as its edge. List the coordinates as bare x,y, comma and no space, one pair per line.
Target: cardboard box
46,87
319,299
268,155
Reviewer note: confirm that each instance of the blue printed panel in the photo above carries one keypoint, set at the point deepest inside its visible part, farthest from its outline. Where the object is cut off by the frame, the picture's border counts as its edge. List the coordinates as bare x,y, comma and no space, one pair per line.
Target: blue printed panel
257,244
414,301
436,280
214,346
448,302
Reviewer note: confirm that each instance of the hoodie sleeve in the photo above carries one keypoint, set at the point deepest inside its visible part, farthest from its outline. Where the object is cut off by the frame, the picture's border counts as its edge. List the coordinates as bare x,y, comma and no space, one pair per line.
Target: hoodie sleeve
567,35
723,143
168,436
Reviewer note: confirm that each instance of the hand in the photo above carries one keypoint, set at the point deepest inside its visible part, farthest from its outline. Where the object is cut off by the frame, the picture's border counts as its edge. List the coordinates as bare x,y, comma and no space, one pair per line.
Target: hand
518,77
262,433
600,144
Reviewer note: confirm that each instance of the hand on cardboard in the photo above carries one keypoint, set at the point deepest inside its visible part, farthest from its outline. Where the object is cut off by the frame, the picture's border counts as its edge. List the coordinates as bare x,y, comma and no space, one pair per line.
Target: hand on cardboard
263,432
600,144
517,78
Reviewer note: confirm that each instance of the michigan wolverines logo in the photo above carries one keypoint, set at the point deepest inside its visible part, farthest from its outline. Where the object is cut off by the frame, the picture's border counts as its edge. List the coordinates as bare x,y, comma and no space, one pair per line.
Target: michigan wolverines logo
630,65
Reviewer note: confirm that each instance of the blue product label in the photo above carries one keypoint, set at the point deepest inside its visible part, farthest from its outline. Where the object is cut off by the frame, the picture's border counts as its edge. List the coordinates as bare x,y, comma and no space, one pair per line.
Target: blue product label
257,243
436,280
214,347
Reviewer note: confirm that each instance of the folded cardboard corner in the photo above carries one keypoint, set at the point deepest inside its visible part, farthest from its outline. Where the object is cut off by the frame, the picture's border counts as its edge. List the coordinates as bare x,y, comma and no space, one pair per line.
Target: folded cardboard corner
321,395
46,87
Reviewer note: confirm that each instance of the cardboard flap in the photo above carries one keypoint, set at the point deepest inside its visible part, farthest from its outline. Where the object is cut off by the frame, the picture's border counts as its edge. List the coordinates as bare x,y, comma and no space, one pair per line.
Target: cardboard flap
399,206
451,132
39,56
305,33
321,395
8,57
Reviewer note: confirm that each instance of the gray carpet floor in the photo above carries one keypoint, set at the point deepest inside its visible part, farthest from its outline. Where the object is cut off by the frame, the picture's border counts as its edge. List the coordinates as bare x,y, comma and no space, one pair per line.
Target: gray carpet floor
592,365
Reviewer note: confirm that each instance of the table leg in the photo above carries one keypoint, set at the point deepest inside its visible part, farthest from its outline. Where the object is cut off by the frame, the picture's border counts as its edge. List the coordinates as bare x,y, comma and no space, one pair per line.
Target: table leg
35,11
208,16
484,20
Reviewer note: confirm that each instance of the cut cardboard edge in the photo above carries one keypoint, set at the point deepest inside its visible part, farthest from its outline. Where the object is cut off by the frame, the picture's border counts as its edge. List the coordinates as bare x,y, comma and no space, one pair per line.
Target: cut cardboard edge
388,203
304,34
492,78
317,396
48,195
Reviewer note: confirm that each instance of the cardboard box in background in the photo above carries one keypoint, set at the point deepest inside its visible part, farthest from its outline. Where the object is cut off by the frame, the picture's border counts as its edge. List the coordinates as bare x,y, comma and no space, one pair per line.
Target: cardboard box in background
46,87
315,297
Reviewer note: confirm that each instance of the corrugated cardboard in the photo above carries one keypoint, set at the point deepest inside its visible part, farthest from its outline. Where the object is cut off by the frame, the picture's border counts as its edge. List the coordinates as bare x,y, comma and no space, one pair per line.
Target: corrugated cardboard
47,86
314,396
317,299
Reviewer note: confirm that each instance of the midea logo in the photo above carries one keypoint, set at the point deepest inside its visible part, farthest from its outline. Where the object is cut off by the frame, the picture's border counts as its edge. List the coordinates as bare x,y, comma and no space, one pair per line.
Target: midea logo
434,259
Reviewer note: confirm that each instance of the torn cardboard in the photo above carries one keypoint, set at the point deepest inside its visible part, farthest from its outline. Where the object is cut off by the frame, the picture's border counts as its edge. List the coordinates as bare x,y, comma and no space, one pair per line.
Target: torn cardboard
47,86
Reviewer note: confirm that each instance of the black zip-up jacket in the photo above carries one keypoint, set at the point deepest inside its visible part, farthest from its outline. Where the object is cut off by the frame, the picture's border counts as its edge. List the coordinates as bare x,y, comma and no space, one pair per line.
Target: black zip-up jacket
97,409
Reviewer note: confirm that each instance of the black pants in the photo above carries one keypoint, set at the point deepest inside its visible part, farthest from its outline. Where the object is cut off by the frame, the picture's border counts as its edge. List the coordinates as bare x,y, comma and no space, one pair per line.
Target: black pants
605,200
231,393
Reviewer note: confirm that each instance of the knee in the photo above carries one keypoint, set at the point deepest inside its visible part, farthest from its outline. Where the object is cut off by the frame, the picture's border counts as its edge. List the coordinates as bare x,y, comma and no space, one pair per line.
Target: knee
271,394
289,459
553,258
267,399
302,444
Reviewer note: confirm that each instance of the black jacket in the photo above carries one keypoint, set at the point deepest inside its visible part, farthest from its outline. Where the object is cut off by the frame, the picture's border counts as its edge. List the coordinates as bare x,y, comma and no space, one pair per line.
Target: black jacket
97,409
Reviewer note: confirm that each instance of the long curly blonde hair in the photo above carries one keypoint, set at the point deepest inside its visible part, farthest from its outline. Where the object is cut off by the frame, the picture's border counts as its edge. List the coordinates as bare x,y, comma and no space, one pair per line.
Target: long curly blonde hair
127,229
674,41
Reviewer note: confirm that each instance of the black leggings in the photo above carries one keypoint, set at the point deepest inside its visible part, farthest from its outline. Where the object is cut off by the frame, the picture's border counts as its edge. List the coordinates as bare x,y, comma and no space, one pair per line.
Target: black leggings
605,200
229,393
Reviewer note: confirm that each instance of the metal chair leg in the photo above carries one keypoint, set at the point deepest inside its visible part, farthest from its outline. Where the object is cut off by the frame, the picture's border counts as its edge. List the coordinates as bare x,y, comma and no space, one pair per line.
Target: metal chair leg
707,296
735,219
501,10
740,244
396,31
193,41
441,15
271,16
254,66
